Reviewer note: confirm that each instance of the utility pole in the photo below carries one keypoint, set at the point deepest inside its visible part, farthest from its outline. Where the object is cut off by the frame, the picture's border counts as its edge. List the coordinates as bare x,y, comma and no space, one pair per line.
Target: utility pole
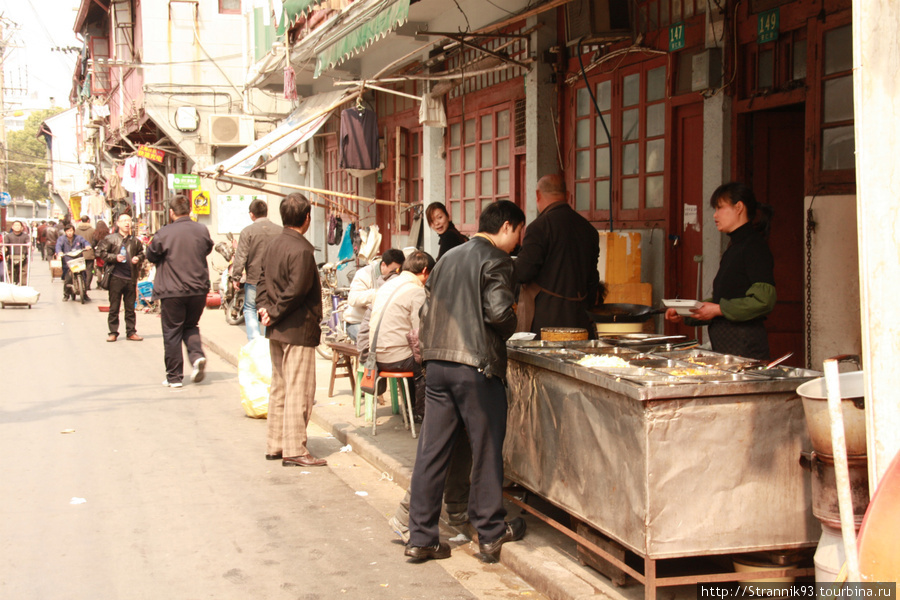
4,168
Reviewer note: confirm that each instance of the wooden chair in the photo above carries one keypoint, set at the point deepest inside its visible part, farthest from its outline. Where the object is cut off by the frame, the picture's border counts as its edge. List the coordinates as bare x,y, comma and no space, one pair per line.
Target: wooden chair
343,364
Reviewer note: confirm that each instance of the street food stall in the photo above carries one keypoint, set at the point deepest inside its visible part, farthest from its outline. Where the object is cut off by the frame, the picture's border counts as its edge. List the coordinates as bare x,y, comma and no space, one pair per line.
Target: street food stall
669,452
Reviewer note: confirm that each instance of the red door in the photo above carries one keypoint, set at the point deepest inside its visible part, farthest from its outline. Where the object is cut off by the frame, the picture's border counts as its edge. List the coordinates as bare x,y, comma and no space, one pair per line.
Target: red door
775,164
685,241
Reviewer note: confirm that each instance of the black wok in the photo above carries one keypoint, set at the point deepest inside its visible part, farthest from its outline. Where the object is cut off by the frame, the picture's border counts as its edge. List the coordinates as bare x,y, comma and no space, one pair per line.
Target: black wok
623,313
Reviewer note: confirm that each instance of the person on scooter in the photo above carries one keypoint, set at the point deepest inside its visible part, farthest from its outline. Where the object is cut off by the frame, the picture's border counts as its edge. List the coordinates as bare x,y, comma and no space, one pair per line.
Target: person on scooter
66,244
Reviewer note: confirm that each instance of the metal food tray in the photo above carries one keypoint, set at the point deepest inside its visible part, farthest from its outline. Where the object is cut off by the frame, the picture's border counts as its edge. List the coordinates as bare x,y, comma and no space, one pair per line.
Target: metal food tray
707,358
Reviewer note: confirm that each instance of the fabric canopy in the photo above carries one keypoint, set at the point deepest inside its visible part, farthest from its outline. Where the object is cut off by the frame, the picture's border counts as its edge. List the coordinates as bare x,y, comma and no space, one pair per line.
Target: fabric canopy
301,125
291,11
362,36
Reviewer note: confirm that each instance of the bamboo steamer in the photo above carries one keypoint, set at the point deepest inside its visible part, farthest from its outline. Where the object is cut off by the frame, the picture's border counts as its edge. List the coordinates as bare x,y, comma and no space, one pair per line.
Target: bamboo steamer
563,334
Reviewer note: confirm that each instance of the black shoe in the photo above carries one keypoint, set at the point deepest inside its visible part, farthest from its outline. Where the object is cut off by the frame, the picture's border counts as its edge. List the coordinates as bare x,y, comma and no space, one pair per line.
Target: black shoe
421,554
490,552
457,519
276,456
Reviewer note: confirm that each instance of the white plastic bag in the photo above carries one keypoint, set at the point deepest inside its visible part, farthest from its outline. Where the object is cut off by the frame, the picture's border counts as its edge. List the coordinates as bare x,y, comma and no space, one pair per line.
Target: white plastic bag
255,377
18,294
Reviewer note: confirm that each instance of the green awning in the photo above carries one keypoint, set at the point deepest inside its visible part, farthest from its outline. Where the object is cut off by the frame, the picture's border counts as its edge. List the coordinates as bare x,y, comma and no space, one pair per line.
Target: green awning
291,11
363,35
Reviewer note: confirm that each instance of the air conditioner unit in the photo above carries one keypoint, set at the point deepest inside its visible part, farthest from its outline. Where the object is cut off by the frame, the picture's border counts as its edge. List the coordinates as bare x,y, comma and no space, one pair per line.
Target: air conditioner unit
231,130
597,20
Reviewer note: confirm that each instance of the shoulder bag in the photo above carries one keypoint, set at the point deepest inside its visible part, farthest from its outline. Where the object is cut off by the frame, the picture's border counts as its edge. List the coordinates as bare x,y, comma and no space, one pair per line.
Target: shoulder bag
370,371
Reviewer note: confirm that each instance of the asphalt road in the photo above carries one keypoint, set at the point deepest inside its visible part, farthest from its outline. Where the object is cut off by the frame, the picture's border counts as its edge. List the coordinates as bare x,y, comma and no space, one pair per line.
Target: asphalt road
112,486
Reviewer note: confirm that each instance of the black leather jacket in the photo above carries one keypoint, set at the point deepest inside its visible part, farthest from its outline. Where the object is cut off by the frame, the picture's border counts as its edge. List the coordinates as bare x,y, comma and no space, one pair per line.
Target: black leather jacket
468,314
108,250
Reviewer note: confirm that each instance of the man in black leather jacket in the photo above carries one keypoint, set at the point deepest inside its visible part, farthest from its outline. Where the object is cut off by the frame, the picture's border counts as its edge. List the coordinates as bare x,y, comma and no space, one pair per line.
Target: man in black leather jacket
123,254
466,320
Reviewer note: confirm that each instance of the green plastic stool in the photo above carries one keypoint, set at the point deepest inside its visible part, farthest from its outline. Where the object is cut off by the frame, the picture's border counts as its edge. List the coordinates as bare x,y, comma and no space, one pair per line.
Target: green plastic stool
358,397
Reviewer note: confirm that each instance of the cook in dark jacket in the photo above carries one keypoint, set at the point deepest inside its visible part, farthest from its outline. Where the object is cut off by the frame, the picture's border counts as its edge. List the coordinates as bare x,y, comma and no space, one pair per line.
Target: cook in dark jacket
449,236
558,264
179,251
289,296
744,287
466,320
122,254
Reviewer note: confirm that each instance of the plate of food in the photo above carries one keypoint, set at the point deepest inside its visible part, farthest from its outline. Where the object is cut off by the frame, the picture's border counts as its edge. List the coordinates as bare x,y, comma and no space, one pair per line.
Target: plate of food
683,307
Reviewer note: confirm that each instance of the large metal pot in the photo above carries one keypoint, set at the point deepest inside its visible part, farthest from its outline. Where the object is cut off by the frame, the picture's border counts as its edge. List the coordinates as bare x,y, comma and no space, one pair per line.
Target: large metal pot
815,406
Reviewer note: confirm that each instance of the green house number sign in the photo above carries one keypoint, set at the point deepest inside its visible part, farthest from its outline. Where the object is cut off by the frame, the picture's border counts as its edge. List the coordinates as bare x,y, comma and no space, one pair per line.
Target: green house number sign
767,28
676,37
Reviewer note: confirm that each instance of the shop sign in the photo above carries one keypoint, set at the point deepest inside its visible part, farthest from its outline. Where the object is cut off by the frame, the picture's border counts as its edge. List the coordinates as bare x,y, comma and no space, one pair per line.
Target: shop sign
767,27
676,37
185,182
5,199
154,154
199,202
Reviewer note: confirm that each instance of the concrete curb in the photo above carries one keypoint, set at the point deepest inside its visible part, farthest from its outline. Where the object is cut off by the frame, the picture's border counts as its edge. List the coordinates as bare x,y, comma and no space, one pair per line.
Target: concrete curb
536,559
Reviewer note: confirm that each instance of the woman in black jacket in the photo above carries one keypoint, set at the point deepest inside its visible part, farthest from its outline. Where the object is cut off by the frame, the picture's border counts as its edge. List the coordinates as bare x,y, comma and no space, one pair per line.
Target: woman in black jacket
439,220
744,287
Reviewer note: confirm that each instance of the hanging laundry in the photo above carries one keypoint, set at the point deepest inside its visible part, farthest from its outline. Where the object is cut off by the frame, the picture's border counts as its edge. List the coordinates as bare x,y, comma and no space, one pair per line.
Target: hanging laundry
114,189
346,249
431,111
359,139
135,176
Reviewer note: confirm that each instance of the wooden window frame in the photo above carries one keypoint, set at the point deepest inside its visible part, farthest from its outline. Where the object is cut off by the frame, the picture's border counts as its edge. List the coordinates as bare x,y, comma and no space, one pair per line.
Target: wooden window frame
642,215
456,206
830,181
648,11
100,50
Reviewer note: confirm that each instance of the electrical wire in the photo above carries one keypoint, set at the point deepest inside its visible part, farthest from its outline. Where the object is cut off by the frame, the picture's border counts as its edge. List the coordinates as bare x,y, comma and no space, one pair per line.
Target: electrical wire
605,129
468,27
501,8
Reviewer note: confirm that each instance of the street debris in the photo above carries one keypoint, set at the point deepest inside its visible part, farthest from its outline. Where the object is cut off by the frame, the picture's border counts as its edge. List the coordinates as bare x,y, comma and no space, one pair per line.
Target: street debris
67,431
362,493
76,500
347,448
460,539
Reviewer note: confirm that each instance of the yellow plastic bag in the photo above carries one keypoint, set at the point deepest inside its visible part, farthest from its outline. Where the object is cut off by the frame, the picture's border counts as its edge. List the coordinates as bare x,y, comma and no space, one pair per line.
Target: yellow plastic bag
255,377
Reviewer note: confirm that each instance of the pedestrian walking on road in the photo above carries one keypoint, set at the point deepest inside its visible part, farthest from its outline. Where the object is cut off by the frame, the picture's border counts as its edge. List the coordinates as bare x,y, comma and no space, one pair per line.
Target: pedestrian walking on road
179,251
249,256
466,321
289,297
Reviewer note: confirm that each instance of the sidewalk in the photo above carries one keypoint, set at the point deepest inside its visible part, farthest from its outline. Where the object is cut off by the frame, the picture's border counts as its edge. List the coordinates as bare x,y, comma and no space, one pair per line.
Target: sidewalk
545,558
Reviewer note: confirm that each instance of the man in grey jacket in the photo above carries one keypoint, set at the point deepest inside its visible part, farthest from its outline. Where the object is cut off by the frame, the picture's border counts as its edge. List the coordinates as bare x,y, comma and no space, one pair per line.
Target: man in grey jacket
249,256
466,320
179,251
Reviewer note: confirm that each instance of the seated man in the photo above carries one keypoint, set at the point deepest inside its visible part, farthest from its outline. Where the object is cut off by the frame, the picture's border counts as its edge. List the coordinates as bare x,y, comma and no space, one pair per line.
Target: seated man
364,285
395,313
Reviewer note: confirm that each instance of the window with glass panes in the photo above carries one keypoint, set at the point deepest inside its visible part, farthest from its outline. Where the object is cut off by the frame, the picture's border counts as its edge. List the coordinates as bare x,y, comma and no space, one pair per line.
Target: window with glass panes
836,124
633,104
479,155
654,14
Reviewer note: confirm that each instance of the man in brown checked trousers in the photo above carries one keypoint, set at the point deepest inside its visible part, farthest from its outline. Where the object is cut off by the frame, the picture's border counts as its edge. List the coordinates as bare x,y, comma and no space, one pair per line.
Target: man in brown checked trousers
289,298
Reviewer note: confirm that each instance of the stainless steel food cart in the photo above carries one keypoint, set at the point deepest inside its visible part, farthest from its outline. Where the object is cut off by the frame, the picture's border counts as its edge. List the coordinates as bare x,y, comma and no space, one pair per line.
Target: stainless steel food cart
678,454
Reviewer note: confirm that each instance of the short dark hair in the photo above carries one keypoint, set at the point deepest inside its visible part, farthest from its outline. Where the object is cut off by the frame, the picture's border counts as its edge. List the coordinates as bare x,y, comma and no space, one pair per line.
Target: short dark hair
68,227
259,208
294,210
85,219
180,205
432,208
497,213
393,256
417,262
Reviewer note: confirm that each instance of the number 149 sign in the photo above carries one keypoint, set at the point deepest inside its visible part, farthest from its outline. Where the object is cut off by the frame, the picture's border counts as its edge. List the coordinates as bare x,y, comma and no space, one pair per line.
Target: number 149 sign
767,28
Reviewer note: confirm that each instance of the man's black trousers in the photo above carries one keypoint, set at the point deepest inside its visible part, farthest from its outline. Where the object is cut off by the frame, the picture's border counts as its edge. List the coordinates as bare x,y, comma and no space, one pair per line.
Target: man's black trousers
455,391
179,318
122,291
